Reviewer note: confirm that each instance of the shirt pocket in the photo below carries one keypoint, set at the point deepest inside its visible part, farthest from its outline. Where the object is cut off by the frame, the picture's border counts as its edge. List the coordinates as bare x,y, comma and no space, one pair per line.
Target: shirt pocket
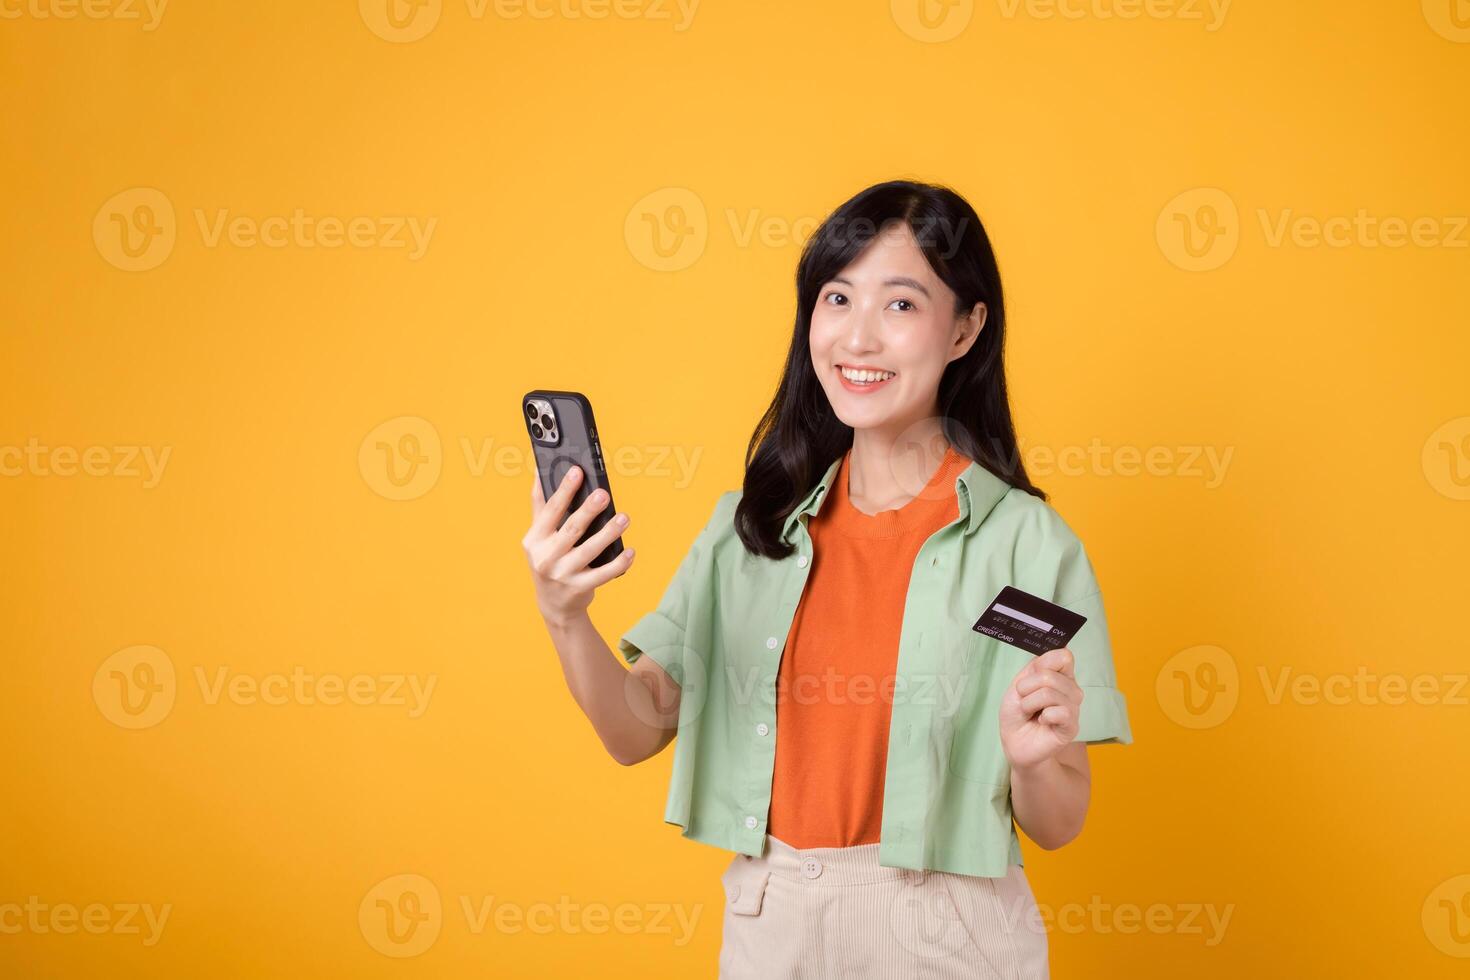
985,672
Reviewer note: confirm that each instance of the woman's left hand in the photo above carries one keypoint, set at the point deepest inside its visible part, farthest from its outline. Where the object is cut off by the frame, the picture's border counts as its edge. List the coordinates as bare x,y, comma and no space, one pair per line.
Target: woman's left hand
1038,715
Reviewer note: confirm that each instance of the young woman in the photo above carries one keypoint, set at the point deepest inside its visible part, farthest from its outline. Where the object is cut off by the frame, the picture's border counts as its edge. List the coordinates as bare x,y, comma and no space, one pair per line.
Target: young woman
842,727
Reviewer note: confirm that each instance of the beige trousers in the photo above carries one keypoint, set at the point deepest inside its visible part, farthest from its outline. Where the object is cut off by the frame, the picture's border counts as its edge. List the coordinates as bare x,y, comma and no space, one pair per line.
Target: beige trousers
836,912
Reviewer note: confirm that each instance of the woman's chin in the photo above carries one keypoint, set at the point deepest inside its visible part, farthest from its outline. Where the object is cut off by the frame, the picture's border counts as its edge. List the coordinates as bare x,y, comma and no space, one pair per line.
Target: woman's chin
862,417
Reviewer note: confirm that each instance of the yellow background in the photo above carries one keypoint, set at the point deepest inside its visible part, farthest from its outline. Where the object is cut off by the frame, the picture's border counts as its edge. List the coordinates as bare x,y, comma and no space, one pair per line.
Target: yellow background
1335,833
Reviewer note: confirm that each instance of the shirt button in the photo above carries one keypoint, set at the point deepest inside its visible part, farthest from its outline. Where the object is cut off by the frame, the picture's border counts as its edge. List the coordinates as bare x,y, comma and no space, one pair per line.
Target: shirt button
750,823
811,867
763,729
770,643
801,562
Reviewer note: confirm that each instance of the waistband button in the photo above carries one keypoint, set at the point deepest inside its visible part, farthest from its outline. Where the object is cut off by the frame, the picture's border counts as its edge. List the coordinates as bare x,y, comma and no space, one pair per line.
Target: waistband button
811,867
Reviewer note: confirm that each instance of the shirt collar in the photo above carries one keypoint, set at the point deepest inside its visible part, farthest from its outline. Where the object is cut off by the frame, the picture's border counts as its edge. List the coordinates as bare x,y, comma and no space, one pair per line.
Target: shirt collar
977,489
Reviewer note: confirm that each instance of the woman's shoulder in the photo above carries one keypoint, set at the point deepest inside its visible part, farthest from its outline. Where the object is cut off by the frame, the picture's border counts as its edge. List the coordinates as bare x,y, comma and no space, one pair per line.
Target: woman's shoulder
1032,529
721,523
1028,516
722,519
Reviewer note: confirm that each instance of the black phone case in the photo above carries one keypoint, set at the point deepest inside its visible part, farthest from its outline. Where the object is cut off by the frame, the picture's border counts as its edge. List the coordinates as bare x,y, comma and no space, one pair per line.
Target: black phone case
576,445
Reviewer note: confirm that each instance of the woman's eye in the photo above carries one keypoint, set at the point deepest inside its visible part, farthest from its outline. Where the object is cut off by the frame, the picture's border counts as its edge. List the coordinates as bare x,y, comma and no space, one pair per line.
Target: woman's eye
906,307
836,299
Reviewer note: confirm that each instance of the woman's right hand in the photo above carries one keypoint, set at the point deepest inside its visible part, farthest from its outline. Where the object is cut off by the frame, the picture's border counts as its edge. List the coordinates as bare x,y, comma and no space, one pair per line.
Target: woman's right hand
564,583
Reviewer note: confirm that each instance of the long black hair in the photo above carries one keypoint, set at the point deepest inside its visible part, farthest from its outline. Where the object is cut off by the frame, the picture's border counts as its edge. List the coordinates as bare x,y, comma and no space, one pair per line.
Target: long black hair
799,435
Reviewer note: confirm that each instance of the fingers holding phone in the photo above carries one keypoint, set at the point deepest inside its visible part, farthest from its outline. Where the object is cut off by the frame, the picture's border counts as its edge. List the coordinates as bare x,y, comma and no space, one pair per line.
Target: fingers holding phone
547,519
560,567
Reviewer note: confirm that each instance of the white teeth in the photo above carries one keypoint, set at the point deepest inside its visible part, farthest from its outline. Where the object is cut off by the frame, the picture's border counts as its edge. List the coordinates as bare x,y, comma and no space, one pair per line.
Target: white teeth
866,377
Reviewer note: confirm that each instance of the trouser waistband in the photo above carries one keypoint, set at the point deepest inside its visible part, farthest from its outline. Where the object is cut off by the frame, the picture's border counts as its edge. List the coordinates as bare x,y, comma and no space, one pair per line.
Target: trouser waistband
854,865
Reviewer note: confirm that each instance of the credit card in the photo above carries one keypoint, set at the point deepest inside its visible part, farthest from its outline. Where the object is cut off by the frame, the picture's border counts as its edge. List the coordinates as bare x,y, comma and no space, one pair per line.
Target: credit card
1029,622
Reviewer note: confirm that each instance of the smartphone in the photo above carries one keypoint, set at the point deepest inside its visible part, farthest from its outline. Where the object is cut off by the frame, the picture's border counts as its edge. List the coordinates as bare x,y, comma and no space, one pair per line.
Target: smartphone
563,435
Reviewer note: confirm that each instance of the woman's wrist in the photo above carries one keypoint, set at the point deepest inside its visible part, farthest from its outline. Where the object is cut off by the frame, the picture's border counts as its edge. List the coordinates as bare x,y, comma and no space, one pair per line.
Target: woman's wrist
1041,768
561,625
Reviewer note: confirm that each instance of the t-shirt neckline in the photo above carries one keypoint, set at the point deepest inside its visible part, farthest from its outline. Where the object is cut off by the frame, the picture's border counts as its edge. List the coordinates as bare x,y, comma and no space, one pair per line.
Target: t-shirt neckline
929,508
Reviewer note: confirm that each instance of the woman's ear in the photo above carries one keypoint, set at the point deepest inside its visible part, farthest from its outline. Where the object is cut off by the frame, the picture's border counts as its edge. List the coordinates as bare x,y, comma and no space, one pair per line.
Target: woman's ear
967,329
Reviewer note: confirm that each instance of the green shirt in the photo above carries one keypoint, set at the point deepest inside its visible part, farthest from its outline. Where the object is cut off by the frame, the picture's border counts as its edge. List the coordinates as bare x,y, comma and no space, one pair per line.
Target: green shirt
721,627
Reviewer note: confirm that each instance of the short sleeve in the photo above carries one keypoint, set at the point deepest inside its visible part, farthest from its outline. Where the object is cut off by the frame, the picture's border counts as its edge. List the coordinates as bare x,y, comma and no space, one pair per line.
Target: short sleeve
661,631
1104,713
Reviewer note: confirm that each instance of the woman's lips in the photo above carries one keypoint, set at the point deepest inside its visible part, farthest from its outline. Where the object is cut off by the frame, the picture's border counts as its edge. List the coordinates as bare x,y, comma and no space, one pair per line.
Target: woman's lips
858,389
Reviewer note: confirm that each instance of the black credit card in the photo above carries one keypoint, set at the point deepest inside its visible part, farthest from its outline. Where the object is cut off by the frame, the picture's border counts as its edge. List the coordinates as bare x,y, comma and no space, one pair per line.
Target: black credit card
1029,622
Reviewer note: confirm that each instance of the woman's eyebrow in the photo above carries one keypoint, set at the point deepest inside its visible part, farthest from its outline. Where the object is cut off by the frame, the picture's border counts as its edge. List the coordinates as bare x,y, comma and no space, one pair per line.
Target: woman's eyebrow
900,281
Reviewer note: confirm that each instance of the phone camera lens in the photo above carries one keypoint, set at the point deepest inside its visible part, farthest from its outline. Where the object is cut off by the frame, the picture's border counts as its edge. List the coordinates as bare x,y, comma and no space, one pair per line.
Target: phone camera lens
548,421
532,411
536,430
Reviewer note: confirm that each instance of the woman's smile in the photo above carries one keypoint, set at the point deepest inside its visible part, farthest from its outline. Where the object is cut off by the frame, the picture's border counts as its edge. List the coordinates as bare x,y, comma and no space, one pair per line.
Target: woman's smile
863,379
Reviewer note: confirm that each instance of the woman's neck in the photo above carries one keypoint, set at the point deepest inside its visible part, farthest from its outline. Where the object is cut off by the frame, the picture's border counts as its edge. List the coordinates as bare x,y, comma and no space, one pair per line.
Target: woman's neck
885,471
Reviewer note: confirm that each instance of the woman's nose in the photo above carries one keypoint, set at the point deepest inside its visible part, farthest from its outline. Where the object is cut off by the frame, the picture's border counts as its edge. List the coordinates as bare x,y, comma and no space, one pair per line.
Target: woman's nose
863,329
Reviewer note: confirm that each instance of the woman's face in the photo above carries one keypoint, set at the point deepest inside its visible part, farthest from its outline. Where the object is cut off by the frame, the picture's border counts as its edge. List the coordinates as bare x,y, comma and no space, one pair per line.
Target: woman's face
889,313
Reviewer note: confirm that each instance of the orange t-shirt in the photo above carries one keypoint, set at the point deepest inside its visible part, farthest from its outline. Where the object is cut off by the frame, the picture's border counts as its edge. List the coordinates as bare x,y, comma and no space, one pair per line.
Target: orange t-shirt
834,691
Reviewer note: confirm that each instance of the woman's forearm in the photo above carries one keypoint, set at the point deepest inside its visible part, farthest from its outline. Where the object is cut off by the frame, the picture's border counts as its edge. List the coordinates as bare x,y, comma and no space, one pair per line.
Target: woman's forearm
621,705
1050,801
